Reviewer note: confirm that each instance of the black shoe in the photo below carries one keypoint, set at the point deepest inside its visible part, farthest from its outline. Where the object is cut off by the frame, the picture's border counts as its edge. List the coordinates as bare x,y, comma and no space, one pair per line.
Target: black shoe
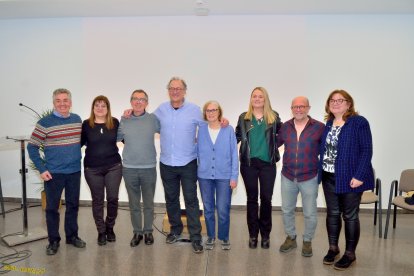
101,239
252,243
52,248
136,239
110,235
149,238
265,243
344,263
172,238
330,257
76,242
197,246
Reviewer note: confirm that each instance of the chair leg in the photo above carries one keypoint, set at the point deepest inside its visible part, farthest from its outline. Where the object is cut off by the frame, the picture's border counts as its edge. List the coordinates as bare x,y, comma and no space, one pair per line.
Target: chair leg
389,209
375,213
3,212
380,214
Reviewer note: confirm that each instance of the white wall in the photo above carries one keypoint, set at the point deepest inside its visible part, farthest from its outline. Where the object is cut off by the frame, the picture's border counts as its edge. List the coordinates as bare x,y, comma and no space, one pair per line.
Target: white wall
222,58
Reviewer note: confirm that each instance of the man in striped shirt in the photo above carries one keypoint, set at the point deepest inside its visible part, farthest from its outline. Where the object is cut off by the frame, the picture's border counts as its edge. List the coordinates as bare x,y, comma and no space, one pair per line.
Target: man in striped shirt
58,136
301,136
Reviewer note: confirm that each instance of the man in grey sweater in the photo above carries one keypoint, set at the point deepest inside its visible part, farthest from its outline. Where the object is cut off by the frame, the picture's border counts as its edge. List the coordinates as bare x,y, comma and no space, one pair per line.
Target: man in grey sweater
139,165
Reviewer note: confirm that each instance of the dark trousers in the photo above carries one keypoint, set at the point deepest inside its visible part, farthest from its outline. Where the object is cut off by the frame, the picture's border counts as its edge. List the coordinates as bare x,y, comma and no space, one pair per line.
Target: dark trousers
259,174
347,205
171,177
100,179
53,189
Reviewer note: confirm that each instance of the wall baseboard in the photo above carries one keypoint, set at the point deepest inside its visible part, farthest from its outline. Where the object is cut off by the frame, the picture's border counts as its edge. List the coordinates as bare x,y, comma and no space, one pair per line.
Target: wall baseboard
88,203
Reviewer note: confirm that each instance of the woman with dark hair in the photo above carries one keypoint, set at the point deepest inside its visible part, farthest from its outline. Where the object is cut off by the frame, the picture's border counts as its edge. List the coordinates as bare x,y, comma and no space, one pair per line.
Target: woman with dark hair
102,166
257,131
345,163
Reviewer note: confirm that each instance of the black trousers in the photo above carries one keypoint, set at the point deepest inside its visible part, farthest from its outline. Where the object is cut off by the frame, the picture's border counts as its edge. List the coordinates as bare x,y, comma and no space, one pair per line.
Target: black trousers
185,176
347,205
259,174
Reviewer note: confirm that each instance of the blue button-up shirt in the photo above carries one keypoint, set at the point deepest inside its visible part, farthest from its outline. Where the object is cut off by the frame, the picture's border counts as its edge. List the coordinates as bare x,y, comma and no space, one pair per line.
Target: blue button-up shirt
178,133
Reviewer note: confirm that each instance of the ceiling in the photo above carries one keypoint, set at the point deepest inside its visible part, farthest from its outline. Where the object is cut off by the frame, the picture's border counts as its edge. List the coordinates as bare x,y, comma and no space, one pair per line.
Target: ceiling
10,9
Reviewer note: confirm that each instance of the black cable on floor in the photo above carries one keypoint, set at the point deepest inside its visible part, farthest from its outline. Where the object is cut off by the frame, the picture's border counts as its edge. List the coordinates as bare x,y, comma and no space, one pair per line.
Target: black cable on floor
6,260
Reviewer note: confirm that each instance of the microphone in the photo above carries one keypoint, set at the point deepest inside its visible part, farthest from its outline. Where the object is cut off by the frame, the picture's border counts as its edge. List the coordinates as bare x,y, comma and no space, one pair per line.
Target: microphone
38,115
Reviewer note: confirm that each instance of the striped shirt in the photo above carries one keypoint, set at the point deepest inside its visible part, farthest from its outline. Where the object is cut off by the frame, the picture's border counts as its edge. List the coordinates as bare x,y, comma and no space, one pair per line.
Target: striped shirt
60,139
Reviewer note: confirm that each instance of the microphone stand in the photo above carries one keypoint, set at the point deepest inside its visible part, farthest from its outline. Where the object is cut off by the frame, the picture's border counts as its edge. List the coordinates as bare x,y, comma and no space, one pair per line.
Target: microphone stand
38,233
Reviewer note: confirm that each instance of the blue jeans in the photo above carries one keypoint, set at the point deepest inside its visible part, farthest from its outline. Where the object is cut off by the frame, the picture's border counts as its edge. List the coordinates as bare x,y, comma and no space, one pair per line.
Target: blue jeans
53,189
185,176
99,180
216,193
309,192
137,182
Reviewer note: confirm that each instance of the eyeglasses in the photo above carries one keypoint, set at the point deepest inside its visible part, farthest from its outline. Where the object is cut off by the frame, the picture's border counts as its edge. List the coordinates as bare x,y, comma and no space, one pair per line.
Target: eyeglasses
103,106
299,107
340,101
211,110
175,89
140,100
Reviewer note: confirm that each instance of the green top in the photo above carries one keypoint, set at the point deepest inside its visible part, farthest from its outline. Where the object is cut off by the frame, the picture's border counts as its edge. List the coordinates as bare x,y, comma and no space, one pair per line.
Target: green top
258,146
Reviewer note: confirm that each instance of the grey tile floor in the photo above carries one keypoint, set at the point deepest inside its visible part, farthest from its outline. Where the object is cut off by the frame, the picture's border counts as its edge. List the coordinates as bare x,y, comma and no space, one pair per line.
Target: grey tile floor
375,256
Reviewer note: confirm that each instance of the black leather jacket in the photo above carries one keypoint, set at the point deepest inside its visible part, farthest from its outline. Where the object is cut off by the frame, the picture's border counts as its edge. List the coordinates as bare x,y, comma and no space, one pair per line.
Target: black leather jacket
242,135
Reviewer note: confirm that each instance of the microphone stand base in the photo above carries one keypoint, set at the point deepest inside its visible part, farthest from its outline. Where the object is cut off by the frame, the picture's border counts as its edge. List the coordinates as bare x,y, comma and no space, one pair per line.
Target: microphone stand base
33,235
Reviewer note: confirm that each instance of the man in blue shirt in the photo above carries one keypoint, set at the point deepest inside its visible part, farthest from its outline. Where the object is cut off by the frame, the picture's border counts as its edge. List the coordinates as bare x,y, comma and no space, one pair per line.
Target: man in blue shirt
179,120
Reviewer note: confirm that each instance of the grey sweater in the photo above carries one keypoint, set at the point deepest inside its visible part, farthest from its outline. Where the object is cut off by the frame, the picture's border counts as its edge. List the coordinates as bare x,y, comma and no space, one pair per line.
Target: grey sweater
138,135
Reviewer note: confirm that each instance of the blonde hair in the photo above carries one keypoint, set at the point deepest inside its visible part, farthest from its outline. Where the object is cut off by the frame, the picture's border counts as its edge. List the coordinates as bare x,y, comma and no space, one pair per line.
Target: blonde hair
268,114
109,122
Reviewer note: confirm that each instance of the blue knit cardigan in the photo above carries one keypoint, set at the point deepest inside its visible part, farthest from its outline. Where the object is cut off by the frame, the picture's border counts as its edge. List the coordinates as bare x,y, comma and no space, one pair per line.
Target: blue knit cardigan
354,155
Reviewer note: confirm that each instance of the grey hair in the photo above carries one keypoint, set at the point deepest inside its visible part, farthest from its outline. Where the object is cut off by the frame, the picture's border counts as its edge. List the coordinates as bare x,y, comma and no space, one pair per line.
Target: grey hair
62,91
139,91
177,79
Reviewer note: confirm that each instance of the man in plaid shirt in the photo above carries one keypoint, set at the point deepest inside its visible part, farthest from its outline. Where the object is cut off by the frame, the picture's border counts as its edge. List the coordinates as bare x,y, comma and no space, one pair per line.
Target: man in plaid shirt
301,136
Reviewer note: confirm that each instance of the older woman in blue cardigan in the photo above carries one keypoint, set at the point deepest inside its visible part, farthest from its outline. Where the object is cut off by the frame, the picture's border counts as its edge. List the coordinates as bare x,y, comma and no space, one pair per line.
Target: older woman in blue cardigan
218,170
346,171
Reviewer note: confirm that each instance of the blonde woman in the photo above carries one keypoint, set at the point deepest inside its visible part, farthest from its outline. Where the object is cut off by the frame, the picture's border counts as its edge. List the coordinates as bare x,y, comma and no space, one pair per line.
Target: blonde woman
257,131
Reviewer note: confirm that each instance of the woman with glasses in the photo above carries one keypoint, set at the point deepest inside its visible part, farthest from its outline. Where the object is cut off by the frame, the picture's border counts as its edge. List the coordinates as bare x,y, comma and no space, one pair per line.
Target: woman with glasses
257,131
218,171
345,163
102,166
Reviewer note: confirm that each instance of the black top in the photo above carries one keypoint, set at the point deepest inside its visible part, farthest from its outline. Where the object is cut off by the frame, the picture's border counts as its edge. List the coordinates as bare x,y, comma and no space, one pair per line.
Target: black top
101,148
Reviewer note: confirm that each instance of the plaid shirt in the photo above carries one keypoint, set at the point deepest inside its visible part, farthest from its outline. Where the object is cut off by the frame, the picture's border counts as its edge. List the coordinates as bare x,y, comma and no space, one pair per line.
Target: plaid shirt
300,159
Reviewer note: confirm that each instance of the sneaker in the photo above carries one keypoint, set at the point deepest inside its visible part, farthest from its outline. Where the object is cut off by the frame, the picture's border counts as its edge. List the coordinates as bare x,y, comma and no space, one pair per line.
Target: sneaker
197,246
210,243
307,249
344,263
76,242
288,245
172,238
330,257
52,248
225,245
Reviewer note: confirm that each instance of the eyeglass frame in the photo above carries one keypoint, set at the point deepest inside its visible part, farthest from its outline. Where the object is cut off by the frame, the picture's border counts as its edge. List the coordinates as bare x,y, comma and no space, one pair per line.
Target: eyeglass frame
299,107
139,100
339,101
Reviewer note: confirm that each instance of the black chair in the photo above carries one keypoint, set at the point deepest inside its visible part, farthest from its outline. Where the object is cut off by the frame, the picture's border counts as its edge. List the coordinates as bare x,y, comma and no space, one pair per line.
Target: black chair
375,196
405,185
3,212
